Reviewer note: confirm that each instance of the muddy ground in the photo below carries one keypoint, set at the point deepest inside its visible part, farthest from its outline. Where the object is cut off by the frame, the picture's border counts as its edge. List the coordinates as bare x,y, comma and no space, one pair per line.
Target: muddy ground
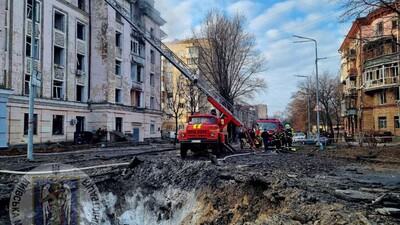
344,185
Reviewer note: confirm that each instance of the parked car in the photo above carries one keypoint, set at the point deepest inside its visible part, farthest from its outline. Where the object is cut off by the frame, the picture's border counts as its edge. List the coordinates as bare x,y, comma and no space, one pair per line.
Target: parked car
312,140
298,137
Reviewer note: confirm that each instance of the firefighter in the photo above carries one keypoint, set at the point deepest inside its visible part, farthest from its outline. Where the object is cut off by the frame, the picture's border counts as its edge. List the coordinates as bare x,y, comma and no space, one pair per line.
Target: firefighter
277,139
264,136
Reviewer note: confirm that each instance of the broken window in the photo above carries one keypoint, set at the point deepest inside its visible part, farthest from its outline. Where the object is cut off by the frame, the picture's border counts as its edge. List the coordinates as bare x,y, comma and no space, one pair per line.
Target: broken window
396,122
81,5
58,89
79,93
152,103
117,67
152,126
58,125
59,21
80,31
118,39
379,29
117,95
80,124
26,123
29,12
152,56
382,97
382,122
59,56
28,47
80,61
152,82
118,124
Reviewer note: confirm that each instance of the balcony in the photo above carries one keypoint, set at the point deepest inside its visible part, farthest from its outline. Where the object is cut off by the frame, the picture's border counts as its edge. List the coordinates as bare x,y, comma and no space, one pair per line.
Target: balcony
351,112
138,59
137,85
383,83
352,72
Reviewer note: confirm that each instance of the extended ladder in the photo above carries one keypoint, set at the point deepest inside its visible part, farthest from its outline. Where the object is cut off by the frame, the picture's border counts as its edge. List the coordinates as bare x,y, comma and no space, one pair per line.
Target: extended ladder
213,96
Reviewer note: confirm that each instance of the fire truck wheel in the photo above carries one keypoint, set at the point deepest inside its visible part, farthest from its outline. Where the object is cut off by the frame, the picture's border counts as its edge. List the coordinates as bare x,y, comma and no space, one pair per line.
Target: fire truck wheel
184,151
216,149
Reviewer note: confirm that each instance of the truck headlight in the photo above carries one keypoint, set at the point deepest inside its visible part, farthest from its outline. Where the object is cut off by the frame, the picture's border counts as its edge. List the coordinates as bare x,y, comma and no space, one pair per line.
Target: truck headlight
182,135
212,135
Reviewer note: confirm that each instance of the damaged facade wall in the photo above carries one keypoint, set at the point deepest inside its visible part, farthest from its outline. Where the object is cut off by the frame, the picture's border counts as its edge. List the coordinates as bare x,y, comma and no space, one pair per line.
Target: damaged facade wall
80,57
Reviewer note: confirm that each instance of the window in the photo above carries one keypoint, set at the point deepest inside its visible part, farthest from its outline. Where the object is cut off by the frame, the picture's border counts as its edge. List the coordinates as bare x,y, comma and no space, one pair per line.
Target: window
117,95
134,47
118,17
118,39
152,103
382,97
397,93
379,29
152,79
29,11
382,122
58,89
81,5
139,73
79,93
80,31
152,126
394,24
26,86
26,123
152,56
151,33
28,47
80,62
58,125
59,56
396,122
117,67
80,124
138,99
118,124
59,21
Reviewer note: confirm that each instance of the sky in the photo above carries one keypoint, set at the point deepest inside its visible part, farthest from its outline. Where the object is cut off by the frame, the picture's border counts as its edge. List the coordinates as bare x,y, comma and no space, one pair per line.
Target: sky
273,22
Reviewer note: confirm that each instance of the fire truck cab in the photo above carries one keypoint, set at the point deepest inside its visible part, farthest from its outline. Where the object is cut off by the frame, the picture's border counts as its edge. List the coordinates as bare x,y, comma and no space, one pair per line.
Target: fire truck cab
203,132
273,127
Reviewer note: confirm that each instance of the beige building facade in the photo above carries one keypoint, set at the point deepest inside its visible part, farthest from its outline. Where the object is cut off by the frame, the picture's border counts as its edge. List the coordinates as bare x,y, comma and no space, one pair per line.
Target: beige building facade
95,72
370,74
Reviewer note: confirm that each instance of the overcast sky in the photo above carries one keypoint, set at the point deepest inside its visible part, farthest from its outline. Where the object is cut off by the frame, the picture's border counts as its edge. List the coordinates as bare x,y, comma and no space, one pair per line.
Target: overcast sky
274,23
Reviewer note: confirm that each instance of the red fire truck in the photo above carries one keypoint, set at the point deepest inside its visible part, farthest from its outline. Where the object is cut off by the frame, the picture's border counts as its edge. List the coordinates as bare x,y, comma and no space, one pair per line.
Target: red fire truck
198,134
273,127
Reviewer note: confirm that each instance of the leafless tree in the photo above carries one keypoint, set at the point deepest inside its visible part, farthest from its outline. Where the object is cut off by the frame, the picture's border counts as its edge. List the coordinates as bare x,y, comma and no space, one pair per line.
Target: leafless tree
352,9
228,58
175,99
329,99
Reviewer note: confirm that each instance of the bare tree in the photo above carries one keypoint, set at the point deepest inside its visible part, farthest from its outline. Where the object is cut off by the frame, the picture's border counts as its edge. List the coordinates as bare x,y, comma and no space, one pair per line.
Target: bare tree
329,98
228,59
352,9
175,99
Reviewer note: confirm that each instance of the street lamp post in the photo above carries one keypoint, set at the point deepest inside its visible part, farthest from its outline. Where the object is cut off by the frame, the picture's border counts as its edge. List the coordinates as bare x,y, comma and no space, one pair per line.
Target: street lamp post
306,39
308,103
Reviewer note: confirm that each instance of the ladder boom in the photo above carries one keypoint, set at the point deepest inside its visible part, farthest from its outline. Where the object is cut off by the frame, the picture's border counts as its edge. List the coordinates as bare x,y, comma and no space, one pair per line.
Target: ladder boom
213,96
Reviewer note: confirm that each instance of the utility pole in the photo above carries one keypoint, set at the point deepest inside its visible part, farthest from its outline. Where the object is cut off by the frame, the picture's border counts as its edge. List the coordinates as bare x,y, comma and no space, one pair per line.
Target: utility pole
32,81
317,108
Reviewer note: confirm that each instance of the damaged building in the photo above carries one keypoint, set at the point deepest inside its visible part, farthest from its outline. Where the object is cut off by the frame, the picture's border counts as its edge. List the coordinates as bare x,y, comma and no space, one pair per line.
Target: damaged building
92,70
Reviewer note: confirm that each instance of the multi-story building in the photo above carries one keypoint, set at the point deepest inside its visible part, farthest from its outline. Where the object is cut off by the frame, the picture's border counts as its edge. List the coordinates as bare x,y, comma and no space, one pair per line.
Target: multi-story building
193,101
95,71
370,74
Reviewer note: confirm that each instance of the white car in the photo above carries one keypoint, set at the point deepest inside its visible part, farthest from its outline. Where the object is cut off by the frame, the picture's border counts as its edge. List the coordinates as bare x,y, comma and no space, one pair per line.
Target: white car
298,137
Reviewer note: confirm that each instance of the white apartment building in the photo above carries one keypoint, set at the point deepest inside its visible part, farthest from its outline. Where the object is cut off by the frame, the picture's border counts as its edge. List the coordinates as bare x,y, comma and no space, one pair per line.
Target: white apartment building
95,71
